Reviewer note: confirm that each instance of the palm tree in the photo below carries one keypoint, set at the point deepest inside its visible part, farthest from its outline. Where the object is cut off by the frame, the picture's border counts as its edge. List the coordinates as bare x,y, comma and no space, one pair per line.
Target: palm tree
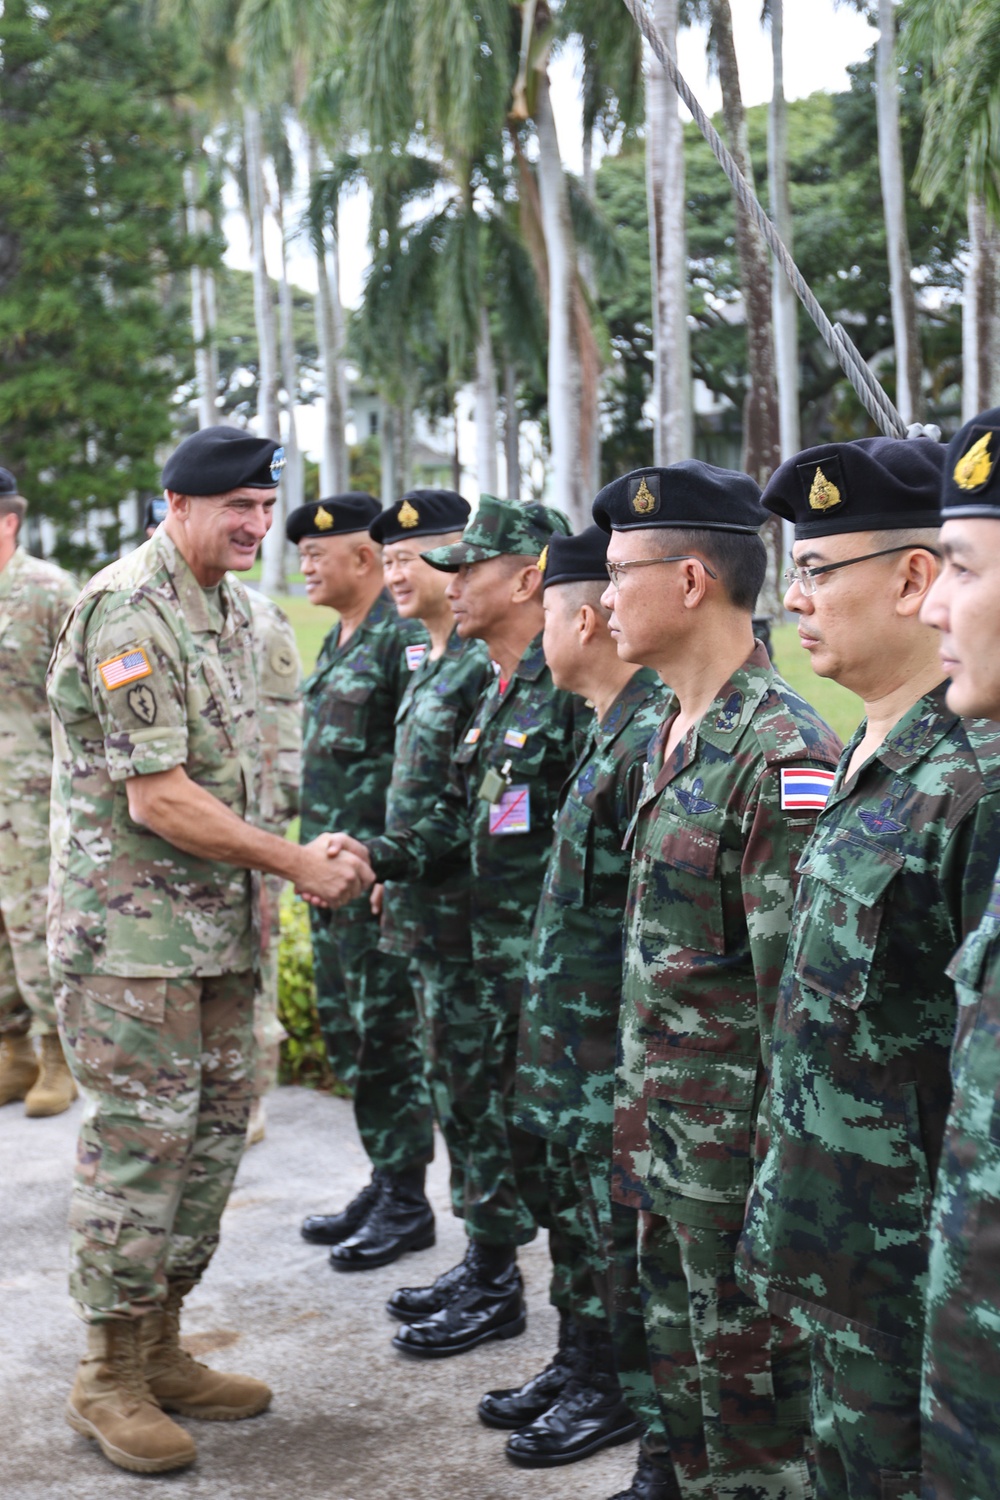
783,299
909,399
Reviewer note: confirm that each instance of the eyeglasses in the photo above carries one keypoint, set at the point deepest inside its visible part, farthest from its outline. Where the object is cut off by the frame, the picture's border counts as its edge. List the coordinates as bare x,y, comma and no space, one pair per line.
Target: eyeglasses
806,578
615,570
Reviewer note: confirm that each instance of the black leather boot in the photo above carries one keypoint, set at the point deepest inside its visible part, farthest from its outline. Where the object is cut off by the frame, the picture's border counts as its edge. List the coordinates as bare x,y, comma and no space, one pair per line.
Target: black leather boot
400,1220
411,1303
651,1482
517,1406
488,1303
330,1229
589,1415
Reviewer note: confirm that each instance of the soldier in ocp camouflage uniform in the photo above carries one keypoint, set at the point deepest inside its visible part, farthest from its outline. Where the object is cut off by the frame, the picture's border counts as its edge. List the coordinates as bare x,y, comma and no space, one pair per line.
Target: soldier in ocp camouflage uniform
34,599
960,1399
152,935
715,843
893,879
428,925
365,1003
569,1021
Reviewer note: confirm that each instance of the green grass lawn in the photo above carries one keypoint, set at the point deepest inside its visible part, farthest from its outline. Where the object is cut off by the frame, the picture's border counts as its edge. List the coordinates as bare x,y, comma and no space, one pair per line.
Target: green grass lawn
842,710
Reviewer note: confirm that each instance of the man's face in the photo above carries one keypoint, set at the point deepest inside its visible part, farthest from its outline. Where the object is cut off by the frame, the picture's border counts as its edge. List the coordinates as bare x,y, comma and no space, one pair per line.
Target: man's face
8,538
418,590
964,605
330,567
560,640
643,613
479,595
224,531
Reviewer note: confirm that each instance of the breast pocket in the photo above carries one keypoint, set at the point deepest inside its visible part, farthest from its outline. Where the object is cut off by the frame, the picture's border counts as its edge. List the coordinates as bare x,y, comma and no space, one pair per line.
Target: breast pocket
684,900
569,868
977,1038
838,926
345,717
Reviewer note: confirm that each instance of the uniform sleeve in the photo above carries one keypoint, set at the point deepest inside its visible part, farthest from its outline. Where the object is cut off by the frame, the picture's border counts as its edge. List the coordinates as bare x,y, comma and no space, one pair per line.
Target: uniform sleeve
970,864
137,684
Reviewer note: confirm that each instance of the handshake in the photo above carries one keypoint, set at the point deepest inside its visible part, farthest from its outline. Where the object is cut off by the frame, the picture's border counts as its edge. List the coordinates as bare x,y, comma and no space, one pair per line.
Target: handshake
333,869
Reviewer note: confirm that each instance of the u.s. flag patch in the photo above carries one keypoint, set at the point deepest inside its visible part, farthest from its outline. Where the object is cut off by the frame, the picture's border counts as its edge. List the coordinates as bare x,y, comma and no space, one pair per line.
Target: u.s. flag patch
415,655
805,790
128,667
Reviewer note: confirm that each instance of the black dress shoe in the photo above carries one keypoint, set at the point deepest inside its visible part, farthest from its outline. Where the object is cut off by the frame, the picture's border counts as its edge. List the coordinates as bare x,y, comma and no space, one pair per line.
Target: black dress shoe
482,1308
411,1303
651,1483
516,1406
582,1421
401,1220
330,1229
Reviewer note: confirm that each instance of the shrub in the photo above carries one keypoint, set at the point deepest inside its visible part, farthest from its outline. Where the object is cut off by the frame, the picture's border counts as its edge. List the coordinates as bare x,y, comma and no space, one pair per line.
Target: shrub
303,1054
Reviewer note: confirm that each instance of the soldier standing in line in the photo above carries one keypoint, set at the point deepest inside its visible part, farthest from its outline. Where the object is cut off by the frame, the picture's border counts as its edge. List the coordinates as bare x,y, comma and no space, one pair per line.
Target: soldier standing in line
960,1399
152,937
569,1022
428,925
365,1003
34,599
894,878
279,709
496,811
715,842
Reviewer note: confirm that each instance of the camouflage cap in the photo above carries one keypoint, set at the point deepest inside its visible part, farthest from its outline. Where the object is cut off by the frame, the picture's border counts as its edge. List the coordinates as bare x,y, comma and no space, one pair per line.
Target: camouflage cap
501,527
971,475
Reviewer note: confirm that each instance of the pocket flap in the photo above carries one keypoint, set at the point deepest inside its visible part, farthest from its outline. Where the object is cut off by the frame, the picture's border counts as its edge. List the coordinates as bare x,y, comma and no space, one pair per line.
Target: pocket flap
693,850
853,866
142,999
700,1079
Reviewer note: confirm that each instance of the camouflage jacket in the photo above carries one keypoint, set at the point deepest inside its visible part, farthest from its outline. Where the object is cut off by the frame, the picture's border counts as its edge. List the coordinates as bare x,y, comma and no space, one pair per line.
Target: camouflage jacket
349,729
518,749
151,671
279,707
569,1016
707,921
438,702
895,876
35,598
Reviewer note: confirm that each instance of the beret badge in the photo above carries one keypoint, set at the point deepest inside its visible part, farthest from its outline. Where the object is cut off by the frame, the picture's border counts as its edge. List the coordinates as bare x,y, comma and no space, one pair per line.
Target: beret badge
323,518
277,463
543,558
644,500
974,468
823,493
409,516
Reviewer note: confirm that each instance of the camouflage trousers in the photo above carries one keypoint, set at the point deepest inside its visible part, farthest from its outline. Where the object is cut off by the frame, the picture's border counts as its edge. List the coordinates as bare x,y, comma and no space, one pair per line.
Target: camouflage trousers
733,1383
26,1000
166,1068
268,1032
960,1398
865,1422
369,1023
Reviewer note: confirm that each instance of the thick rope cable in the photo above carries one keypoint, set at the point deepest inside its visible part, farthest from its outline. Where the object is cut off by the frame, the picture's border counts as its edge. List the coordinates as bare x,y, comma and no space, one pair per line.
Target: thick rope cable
870,393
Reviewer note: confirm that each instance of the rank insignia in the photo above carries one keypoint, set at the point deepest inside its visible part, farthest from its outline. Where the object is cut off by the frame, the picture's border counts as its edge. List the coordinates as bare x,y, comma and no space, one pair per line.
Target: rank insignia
975,468
729,713
543,558
323,518
277,463
408,516
142,702
879,822
129,667
805,790
415,655
824,484
644,495
692,801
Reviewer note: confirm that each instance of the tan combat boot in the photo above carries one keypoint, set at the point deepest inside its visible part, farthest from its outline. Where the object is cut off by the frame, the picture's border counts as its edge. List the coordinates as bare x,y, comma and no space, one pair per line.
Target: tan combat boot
55,1089
111,1403
179,1383
18,1067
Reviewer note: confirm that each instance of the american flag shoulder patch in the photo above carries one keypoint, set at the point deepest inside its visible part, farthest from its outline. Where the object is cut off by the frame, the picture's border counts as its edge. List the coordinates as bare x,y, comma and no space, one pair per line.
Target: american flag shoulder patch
129,667
805,790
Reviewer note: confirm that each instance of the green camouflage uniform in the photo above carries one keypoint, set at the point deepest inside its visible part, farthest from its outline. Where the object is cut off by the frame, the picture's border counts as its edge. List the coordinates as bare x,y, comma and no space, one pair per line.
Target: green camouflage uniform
707,921
428,925
529,726
960,1401
34,599
153,950
894,877
279,708
364,998
569,1022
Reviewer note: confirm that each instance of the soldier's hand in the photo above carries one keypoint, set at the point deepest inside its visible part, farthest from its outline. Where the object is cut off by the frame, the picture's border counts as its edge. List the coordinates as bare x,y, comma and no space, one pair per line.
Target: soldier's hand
338,842
375,898
330,879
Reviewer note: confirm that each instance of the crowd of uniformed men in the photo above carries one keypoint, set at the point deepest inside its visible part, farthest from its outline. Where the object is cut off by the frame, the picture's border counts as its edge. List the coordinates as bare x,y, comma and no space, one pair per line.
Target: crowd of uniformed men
708,997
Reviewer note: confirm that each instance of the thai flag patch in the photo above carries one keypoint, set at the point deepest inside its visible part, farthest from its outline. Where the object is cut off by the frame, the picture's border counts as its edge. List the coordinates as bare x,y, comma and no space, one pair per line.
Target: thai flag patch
805,790
118,670
414,656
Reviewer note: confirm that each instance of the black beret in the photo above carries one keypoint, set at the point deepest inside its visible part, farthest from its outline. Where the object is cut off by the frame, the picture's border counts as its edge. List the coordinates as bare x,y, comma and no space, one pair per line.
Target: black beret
971,478
219,459
8,484
156,511
421,513
337,515
873,484
576,559
688,495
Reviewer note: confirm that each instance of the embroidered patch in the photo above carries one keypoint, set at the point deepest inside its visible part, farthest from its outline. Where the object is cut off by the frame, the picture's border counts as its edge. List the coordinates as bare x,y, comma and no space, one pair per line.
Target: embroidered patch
142,703
692,801
511,813
129,667
879,822
516,738
729,713
803,790
415,655
472,736
281,659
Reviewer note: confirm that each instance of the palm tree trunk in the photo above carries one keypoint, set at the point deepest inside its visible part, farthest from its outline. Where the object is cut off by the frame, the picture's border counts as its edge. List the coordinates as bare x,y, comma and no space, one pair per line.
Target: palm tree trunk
273,549
387,454
292,478
672,422
909,399
334,466
591,387
783,299
486,408
981,314
211,323
204,388
456,457
511,432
